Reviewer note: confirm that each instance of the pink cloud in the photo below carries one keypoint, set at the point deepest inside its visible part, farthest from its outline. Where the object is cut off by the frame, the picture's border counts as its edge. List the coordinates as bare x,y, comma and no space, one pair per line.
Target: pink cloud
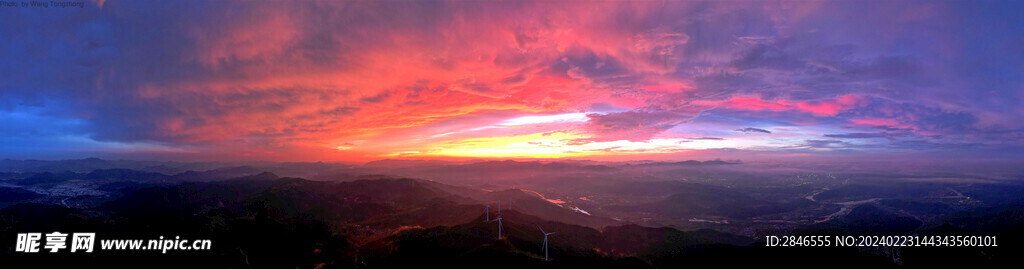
875,121
821,108
830,107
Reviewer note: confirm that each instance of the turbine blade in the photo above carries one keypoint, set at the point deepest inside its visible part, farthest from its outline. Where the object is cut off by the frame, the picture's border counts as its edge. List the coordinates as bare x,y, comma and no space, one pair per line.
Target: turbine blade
541,229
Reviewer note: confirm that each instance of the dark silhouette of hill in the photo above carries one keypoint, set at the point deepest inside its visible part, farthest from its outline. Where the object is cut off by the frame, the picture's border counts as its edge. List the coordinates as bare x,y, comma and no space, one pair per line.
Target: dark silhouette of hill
45,178
392,163
82,165
380,201
683,163
703,200
475,173
8,195
126,174
261,220
218,174
633,240
362,201
520,167
237,241
475,244
226,170
123,175
162,169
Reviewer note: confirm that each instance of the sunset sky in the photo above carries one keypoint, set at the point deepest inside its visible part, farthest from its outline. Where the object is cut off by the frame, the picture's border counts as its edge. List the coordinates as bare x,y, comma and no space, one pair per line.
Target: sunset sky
605,80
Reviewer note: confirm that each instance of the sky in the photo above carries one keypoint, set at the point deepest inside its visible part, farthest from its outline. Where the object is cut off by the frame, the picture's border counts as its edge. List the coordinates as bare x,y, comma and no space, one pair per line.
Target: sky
604,80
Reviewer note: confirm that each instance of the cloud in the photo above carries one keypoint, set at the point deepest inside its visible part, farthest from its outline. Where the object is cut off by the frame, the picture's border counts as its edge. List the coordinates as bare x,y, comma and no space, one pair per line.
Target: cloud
636,125
753,130
821,108
707,138
296,80
824,144
864,135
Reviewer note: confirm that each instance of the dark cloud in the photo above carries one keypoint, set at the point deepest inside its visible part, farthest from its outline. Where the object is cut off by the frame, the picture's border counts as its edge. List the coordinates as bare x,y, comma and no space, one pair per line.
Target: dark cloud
637,125
380,97
766,56
922,118
753,130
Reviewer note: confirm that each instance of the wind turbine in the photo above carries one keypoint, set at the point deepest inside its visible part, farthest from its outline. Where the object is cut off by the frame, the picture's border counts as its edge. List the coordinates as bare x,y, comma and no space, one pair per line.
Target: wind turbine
487,213
545,241
499,226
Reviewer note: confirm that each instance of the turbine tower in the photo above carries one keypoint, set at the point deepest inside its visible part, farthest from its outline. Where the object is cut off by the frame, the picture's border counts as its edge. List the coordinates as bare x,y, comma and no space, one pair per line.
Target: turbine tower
487,213
545,241
499,226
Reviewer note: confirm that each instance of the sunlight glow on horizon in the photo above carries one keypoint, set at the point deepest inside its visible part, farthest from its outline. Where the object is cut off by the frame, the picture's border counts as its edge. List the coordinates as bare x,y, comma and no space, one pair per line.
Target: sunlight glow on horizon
562,144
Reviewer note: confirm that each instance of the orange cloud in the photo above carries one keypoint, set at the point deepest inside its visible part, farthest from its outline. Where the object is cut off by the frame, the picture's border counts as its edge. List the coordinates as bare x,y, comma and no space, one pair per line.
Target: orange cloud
263,83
